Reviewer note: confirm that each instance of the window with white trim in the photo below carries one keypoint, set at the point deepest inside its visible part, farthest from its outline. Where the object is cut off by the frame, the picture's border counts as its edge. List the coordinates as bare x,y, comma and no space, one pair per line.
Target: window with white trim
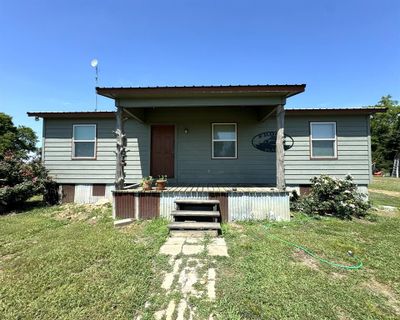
323,140
224,140
84,141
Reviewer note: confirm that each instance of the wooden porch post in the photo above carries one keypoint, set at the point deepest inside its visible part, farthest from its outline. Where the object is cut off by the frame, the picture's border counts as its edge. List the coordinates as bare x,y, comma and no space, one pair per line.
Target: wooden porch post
280,151
121,150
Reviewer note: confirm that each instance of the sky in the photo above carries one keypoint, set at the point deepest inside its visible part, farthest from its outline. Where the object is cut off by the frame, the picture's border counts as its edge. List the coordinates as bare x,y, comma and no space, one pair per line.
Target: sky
346,51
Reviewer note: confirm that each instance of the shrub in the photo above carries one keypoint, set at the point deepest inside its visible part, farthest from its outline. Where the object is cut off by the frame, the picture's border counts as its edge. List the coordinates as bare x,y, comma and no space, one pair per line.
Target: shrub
336,197
20,180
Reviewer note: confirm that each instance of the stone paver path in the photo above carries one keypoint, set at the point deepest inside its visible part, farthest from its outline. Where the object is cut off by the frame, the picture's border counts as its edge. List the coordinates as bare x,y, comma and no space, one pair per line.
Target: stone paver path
192,246
192,274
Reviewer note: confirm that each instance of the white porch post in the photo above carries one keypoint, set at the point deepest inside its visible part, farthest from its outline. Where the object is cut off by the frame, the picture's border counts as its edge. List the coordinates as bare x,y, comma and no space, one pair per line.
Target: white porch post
121,150
280,151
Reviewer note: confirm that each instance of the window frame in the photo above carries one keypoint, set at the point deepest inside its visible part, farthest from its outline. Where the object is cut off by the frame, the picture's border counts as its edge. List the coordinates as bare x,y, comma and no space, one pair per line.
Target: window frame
335,153
73,156
222,140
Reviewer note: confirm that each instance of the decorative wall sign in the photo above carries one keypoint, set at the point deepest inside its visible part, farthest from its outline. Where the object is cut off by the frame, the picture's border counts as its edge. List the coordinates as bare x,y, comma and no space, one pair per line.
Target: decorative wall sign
266,141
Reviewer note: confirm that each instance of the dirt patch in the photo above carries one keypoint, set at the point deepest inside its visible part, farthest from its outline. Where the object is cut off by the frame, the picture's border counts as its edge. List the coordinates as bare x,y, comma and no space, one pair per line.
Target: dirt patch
385,291
236,226
342,314
303,258
387,192
7,257
78,212
337,275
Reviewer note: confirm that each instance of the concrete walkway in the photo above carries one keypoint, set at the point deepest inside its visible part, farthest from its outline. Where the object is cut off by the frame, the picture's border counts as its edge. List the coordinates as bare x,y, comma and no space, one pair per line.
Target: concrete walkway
192,246
192,274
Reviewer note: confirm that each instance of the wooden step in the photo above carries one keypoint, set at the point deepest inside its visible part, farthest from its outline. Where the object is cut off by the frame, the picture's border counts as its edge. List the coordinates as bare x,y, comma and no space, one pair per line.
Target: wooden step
195,213
196,201
194,226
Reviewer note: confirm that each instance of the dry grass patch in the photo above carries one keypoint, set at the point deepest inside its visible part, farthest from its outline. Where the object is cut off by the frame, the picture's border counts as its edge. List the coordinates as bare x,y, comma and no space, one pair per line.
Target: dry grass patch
303,258
80,212
385,291
387,192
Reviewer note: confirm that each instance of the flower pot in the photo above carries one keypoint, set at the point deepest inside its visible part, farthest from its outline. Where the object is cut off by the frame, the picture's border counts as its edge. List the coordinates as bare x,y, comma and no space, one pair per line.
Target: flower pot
147,185
160,184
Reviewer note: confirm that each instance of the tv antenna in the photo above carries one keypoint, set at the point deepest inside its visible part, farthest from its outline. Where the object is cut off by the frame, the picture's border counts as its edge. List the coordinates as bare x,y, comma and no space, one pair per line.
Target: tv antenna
95,64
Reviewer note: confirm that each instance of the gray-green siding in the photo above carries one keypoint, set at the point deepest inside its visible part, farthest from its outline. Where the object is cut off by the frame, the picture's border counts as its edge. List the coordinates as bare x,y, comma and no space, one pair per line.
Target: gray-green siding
193,163
353,150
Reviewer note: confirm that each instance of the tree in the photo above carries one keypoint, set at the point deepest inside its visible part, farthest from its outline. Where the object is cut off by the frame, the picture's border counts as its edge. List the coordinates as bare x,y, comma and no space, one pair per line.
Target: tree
385,134
19,140
21,177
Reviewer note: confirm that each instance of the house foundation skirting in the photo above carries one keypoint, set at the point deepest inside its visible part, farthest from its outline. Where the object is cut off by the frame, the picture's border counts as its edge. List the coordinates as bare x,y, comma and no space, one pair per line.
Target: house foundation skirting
234,206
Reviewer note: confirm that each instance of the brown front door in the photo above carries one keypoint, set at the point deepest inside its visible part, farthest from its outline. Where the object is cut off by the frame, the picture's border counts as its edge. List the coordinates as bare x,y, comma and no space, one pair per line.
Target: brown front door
162,150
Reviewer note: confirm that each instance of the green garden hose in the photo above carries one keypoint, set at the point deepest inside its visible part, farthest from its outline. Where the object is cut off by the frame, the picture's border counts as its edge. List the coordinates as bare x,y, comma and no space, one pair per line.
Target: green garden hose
312,254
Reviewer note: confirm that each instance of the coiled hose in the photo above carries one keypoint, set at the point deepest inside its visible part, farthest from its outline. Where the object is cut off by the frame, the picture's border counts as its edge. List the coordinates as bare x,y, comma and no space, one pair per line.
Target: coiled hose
315,256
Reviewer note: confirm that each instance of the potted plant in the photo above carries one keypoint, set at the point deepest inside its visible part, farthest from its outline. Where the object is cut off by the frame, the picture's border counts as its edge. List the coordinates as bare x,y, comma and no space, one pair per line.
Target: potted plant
147,183
161,182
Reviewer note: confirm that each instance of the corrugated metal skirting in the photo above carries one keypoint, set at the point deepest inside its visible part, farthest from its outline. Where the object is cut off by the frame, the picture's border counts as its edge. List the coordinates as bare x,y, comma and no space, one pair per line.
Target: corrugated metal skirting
259,206
235,206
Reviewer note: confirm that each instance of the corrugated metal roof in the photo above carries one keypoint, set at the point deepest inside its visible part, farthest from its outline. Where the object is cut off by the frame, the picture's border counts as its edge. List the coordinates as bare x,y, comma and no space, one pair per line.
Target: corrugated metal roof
205,86
334,110
286,90
302,110
70,114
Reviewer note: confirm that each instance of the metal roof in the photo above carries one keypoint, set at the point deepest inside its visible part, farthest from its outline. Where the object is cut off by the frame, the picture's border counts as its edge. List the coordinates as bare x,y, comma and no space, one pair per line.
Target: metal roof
259,89
335,110
71,114
292,111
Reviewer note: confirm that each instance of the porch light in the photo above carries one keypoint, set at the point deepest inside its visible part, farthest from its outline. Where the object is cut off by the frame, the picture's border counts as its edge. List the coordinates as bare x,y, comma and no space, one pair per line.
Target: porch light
186,130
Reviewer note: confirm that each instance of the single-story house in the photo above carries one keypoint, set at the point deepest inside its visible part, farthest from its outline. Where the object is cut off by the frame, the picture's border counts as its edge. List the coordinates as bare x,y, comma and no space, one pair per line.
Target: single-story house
237,144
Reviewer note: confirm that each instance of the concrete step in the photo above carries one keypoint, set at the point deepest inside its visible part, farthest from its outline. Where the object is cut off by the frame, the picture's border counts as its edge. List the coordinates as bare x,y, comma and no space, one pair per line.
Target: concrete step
122,222
195,213
193,233
196,201
186,225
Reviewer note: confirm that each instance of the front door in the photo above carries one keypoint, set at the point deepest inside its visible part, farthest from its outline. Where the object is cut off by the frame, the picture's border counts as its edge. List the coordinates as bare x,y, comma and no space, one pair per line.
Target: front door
162,150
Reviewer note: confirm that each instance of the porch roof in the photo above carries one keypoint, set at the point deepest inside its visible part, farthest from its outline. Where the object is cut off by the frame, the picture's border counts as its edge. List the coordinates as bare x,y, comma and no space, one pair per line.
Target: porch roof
282,90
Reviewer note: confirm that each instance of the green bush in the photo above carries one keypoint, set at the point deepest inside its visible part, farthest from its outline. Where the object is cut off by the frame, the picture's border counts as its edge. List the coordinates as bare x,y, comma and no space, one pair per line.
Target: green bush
20,180
335,197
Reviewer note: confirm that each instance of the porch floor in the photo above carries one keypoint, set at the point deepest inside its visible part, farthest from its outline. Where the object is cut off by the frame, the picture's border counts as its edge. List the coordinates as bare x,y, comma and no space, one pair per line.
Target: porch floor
201,189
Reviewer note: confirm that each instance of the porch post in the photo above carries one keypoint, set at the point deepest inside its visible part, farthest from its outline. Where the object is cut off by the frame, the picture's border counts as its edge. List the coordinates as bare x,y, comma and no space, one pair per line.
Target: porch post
280,151
121,150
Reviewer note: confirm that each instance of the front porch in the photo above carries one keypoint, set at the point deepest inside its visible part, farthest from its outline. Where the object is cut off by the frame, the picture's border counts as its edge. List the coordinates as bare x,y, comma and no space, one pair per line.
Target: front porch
211,134
236,203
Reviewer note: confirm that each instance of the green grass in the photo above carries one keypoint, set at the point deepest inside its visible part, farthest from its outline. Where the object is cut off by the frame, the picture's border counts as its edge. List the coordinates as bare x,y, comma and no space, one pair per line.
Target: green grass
266,279
381,199
69,262
385,183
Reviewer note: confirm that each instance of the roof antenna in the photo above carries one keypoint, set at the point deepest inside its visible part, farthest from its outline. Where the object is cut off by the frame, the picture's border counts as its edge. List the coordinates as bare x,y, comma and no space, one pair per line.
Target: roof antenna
95,64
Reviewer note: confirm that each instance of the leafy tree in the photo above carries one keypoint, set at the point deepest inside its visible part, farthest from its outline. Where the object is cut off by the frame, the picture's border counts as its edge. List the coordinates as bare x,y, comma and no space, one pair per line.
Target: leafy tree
19,140
21,177
385,134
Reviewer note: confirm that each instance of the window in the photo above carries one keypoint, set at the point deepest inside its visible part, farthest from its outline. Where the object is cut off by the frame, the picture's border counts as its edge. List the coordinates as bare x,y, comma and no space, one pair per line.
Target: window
84,141
323,139
224,141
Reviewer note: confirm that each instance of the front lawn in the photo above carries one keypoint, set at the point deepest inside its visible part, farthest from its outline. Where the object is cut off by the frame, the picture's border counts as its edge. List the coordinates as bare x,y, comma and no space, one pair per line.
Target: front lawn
382,199
385,183
69,262
267,279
